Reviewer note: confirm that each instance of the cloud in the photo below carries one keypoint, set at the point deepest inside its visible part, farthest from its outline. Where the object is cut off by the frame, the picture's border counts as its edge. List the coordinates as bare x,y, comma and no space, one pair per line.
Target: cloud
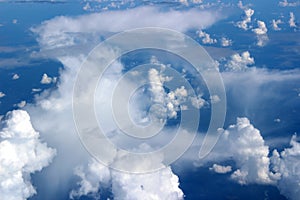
65,31
21,104
292,20
285,3
246,20
286,165
47,80
275,24
2,94
206,39
226,42
240,62
162,184
261,33
21,154
220,169
92,177
15,77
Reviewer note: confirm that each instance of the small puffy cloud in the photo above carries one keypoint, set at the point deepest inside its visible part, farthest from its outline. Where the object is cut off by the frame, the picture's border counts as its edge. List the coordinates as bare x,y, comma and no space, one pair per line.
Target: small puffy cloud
15,77
47,80
2,94
206,39
214,99
220,169
275,24
14,21
261,33
285,3
225,42
277,120
292,22
240,62
246,20
36,89
198,102
21,104
21,154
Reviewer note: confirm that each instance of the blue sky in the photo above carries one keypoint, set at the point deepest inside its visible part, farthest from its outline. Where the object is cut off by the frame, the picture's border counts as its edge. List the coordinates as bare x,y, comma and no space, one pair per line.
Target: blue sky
252,47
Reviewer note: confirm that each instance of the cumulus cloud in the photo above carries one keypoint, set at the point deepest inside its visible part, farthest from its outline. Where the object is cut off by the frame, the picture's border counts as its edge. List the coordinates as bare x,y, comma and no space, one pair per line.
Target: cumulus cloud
261,33
162,184
286,166
248,149
226,42
47,80
206,39
92,177
275,24
239,62
220,169
248,12
21,154
292,20
285,3
2,94
21,104
15,77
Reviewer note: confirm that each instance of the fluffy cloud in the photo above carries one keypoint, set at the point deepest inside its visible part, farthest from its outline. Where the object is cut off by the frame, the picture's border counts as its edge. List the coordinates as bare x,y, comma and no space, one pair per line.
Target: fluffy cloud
247,147
15,77
292,20
247,19
286,165
92,177
220,169
159,185
47,80
206,39
21,104
21,154
239,62
285,3
261,33
2,94
226,42
275,24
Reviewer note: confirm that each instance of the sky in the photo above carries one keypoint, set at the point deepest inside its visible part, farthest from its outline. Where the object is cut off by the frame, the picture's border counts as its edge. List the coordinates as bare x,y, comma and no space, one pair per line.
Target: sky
185,99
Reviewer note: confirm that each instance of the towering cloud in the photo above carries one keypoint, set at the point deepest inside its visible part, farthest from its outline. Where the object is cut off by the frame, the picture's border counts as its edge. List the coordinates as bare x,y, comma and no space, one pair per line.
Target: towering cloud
21,154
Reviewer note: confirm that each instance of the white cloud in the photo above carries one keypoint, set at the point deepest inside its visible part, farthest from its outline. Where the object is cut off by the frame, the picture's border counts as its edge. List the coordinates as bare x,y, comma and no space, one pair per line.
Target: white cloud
261,33
160,185
240,62
214,99
292,20
226,42
275,24
47,80
198,102
285,3
220,169
248,149
62,31
287,166
14,21
2,94
246,20
21,154
15,77
92,177
21,104
206,39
